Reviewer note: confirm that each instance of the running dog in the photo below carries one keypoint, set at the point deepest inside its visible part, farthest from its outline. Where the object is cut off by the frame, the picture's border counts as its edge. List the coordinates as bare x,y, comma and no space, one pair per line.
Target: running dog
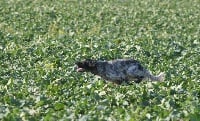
118,71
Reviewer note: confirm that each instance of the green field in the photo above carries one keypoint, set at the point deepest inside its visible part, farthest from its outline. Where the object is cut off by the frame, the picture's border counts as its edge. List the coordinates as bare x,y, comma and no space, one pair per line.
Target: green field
41,40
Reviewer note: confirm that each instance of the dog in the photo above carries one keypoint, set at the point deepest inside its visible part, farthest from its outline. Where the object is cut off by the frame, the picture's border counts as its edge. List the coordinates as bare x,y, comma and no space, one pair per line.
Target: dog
118,71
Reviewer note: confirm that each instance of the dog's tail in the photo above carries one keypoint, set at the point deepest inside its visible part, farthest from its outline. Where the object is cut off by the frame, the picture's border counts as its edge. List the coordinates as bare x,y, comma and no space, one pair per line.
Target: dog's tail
159,77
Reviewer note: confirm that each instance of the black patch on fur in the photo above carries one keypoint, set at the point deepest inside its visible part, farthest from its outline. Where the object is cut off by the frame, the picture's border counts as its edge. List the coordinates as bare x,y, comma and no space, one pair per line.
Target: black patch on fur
139,79
140,67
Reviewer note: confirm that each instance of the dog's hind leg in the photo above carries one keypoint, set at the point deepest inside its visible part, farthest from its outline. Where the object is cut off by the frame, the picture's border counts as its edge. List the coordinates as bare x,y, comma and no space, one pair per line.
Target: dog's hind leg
136,72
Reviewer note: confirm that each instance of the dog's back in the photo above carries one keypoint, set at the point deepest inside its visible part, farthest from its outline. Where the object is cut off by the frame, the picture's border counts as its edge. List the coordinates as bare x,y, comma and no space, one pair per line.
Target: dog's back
117,70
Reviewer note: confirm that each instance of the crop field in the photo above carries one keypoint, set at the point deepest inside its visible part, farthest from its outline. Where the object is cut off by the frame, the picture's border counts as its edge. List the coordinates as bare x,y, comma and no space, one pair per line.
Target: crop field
41,40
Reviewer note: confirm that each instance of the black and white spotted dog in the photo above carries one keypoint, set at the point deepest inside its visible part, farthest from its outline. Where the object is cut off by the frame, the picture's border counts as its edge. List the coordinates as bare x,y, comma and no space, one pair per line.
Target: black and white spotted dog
118,71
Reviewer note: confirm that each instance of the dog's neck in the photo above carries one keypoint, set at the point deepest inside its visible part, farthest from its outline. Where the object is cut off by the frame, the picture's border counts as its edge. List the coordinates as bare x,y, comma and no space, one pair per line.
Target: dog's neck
93,70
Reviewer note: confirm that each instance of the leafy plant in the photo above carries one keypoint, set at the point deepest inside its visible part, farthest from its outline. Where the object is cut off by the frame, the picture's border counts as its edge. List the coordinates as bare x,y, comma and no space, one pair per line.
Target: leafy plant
40,41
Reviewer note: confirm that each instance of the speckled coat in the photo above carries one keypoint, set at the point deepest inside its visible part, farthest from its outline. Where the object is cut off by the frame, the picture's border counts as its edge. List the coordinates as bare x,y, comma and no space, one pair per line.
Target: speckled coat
118,71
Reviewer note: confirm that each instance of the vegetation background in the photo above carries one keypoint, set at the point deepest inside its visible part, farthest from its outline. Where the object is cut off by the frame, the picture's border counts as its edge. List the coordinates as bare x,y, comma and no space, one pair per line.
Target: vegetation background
40,41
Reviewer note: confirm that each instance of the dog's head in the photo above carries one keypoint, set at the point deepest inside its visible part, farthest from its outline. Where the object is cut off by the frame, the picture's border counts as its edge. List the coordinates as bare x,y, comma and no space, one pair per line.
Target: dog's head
86,65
